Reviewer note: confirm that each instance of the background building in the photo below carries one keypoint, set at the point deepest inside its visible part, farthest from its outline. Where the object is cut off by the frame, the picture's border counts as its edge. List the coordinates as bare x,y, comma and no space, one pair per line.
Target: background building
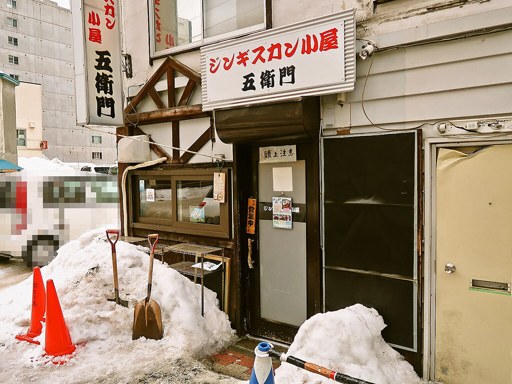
36,46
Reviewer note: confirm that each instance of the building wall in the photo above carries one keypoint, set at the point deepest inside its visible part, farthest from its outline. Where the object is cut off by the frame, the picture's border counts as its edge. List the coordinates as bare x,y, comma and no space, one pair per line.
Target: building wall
45,57
7,121
29,117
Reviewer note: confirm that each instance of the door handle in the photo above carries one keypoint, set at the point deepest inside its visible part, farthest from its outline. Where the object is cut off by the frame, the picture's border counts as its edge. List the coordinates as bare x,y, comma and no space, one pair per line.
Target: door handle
250,262
449,268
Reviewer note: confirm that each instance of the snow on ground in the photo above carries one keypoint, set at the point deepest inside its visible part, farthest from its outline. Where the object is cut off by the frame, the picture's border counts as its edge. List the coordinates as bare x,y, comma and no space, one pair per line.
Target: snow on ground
39,163
101,329
348,340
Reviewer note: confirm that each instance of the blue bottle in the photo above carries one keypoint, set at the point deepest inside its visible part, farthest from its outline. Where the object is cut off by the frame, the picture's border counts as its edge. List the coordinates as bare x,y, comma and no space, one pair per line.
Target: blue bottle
262,371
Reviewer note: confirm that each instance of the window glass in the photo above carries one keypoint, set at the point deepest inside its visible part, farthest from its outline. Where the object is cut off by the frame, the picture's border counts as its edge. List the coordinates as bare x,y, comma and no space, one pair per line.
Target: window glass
195,202
12,40
12,22
97,155
105,191
96,139
58,192
21,136
7,194
13,59
180,22
155,198
11,3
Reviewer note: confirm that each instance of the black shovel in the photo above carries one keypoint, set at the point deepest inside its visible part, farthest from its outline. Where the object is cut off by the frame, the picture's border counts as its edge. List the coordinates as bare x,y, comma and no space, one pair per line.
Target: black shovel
117,299
147,315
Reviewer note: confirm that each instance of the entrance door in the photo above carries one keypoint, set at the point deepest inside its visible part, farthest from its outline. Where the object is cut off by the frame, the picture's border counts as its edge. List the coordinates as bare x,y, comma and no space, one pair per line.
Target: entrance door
283,250
473,266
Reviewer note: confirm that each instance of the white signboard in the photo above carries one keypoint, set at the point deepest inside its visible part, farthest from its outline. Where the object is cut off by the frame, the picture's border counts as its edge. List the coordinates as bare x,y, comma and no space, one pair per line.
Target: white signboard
310,58
97,62
278,154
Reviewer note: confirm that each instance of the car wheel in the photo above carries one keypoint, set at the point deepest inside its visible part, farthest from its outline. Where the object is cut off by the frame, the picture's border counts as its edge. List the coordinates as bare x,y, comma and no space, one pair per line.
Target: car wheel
40,251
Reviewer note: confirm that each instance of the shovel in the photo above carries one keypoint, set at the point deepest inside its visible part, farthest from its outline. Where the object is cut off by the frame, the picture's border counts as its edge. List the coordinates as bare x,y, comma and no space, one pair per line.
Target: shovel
147,317
117,299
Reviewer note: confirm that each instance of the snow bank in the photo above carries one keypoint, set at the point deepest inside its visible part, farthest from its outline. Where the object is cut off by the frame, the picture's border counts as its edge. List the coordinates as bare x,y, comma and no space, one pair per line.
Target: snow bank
348,341
102,330
39,163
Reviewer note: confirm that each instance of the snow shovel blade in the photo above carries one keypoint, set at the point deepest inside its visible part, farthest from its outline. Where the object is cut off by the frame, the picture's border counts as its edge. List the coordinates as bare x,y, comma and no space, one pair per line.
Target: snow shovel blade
147,320
147,316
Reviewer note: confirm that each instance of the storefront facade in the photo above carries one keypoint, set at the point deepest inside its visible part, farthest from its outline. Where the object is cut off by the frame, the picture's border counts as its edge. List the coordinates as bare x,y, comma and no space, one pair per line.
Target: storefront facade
365,200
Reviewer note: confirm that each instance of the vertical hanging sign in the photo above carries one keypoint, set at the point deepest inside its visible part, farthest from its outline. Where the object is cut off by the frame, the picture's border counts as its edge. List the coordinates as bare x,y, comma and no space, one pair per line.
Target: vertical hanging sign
98,66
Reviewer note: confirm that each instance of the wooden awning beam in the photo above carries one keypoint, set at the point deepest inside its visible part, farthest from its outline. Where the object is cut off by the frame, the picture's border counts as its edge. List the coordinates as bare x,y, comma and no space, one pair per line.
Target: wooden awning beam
165,115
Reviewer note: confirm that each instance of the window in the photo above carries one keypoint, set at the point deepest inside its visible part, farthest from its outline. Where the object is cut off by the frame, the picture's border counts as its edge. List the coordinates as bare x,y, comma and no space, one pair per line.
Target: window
96,139
13,59
21,137
11,3
190,23
12,40
12,22
15,77
97,155
179,201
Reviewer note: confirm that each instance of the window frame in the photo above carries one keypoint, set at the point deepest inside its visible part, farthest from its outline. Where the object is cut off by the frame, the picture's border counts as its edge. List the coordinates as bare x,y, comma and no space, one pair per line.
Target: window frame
11,40
267,6
11,4
96,136
13,60
18,131
173,225
12,22
93,153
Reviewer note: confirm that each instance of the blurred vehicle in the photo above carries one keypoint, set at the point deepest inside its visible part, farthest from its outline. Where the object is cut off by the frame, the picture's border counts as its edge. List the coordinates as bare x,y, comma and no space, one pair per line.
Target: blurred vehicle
42,210
104,169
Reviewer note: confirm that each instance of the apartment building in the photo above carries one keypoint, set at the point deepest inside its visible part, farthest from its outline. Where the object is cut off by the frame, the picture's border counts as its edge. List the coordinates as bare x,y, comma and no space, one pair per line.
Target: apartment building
36,47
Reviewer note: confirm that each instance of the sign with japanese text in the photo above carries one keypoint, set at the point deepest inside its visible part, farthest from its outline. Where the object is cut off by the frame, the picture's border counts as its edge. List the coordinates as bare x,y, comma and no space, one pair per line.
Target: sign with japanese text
98,65
310,58
166,24
280,154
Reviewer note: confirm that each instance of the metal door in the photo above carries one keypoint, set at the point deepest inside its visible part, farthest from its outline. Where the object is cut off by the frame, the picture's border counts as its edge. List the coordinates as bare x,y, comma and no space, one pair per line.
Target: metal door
279,274
474,265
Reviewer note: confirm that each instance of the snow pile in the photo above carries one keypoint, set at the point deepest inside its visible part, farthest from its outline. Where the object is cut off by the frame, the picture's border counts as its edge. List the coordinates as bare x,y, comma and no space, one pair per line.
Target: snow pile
348,341
39,163
101,329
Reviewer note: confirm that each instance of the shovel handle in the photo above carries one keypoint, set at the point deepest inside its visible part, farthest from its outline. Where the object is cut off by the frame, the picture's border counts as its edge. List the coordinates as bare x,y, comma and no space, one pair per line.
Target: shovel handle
152,239
112,242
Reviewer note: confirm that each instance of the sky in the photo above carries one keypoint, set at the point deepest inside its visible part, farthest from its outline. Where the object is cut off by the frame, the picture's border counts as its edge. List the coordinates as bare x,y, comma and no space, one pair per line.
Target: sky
348,340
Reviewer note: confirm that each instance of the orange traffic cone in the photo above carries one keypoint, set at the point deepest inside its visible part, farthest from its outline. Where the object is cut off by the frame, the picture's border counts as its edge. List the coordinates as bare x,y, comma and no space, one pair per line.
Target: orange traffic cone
38,308
57,340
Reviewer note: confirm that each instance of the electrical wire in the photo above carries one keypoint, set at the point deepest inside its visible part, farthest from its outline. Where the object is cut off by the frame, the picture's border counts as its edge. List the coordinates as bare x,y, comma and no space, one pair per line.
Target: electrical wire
479,33
216,158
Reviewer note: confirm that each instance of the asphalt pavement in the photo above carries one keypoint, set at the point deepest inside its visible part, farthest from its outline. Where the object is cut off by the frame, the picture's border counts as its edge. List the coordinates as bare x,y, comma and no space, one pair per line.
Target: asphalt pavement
12,272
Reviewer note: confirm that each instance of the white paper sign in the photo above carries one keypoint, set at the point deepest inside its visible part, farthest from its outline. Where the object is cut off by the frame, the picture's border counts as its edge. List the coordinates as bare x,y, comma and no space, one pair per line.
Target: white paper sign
282,179
150,194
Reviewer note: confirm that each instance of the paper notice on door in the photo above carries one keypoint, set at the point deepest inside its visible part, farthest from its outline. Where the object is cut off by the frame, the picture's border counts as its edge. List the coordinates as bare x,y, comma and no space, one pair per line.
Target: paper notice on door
282,179
282,212
150,194
219,186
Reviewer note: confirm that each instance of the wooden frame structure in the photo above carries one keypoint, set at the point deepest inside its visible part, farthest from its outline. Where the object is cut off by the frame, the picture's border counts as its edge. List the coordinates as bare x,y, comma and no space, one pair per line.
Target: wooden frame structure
169,110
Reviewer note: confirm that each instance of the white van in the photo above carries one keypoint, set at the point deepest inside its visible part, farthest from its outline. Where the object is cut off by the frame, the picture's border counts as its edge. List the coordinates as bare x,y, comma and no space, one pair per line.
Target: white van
42,210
